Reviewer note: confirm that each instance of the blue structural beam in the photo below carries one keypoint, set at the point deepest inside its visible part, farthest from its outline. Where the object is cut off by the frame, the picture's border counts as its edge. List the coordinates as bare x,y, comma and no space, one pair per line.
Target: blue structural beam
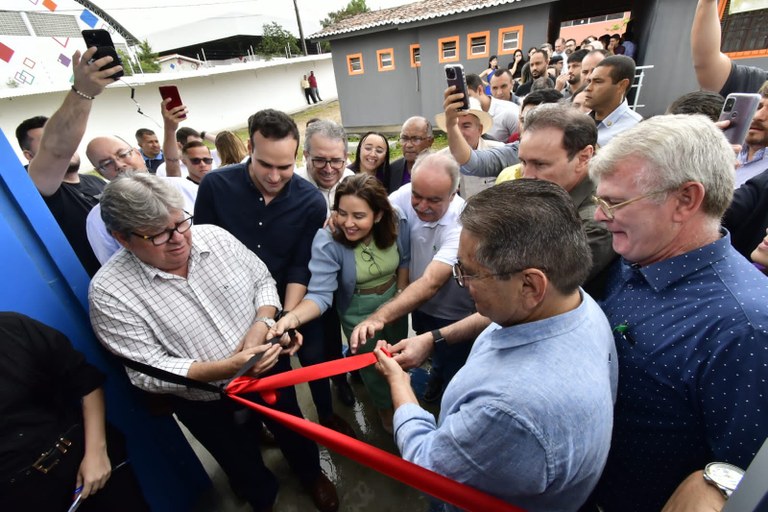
42,278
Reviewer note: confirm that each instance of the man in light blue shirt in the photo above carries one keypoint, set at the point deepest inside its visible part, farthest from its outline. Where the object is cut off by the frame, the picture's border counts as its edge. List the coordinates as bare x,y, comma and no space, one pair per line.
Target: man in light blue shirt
528,418
606,95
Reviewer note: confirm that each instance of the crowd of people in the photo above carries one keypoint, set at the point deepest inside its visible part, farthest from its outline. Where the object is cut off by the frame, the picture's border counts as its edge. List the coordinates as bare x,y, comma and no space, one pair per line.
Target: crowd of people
588,286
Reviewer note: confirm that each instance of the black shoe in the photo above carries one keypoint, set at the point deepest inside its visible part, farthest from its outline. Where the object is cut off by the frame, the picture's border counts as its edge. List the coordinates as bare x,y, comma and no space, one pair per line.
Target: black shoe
434,389
344,393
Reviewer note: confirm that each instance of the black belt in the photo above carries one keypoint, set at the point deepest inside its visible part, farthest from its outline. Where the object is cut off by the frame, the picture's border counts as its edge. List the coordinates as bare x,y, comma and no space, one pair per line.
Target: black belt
51,457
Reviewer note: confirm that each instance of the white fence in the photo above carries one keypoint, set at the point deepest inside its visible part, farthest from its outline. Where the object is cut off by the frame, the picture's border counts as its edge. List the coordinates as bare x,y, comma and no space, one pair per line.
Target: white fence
218,98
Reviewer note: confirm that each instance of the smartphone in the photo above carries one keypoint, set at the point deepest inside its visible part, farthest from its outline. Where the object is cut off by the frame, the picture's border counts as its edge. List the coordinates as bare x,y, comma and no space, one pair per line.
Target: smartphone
103,42
739,109
171,91
454,74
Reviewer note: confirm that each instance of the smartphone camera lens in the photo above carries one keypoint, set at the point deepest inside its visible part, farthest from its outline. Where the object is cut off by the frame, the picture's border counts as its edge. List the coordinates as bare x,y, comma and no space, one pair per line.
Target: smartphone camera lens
450,73
729,105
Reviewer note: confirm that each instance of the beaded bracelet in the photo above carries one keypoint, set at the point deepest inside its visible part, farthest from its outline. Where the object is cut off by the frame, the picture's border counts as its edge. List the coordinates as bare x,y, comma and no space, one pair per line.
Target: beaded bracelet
82,94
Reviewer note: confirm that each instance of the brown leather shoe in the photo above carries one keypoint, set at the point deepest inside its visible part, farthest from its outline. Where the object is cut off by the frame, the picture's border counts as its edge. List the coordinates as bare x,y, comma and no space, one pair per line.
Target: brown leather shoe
324,494
335,422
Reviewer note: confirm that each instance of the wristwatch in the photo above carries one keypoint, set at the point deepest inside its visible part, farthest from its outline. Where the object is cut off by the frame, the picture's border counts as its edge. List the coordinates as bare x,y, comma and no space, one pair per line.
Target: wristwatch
724,476
269,321
437,337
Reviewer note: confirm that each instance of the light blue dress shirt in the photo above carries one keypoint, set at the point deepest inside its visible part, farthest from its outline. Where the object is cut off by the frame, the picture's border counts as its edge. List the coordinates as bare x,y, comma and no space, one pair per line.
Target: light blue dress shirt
528,418
621,119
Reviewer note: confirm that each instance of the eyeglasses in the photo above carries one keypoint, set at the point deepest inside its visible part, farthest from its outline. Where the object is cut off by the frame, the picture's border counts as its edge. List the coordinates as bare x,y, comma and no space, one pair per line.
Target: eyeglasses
109,164
367,256
196,161
164,236
608,208
336,163
461,277
413,140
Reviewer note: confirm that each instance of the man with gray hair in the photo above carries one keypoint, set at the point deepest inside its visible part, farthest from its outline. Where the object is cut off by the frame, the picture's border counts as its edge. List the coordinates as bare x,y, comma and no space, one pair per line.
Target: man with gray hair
192,300
687,311
325,158
415,138
528,418
432,208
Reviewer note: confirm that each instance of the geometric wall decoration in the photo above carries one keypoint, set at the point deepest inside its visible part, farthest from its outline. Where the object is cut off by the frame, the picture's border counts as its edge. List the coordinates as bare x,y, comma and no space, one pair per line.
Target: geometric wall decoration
50,5
63,43
29,63
63,59
88,18
5,53
24,78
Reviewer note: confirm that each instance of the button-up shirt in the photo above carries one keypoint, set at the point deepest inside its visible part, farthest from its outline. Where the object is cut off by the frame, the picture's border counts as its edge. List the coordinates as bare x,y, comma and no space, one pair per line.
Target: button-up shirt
692,337
616,122
144,314
750,169
528,418
280,233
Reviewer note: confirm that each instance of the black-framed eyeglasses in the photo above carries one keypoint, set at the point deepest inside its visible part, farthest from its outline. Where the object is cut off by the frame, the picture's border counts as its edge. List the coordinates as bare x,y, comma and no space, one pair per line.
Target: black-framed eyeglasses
109,164
164,236
415,140
461,276
367,256
196,161
336,164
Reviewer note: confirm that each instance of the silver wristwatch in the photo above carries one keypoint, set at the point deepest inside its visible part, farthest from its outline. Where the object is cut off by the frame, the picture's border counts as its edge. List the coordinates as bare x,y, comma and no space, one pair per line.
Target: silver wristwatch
269,321
723,476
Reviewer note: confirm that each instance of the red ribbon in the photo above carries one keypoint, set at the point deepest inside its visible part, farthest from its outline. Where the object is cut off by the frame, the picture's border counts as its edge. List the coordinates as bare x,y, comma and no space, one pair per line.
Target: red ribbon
439,486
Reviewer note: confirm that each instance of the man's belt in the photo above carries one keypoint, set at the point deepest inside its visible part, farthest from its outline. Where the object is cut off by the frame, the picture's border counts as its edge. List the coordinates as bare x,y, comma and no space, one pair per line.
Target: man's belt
51,457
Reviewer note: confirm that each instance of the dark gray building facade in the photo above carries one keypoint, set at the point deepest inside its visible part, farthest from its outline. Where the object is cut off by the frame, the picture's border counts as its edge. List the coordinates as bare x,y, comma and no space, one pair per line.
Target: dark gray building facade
389,63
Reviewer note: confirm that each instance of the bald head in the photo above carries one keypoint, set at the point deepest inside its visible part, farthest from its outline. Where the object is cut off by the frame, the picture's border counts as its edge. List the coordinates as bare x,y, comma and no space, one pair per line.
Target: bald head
112,156
415,137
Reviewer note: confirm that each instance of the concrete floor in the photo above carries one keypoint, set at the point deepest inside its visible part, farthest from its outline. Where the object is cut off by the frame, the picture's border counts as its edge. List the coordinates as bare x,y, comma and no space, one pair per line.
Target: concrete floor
360,489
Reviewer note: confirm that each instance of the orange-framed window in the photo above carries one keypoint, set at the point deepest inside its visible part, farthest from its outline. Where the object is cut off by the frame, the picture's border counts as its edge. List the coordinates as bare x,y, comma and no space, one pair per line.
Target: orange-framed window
744,31
448,49
510,39
479,45
415,51
355,64
385,59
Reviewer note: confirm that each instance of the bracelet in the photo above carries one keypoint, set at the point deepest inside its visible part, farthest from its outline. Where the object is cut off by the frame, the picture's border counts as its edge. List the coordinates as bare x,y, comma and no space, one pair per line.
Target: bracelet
82,94
294,316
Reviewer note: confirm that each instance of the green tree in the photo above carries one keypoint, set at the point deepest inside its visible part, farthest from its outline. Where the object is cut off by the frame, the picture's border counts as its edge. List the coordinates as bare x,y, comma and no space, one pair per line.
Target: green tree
274,39
147,58
127,62
353,7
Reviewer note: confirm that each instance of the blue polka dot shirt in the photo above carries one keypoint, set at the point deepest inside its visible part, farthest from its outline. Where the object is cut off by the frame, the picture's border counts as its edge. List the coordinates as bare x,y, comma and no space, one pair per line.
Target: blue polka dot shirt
692,340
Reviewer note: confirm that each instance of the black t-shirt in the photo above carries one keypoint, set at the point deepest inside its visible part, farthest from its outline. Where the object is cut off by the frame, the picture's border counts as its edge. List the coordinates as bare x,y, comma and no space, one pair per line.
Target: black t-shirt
70,206
744,79
42,379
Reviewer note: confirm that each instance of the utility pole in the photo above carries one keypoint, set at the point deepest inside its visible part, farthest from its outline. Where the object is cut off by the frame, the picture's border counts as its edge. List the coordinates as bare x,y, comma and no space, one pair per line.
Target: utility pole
301,30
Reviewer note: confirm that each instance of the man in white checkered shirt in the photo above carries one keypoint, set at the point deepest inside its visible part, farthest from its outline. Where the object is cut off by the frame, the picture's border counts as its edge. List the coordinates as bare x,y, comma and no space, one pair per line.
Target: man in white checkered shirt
187,299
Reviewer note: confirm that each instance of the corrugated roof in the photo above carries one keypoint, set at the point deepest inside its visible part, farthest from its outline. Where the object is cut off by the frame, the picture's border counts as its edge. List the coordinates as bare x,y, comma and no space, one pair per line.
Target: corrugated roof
417,11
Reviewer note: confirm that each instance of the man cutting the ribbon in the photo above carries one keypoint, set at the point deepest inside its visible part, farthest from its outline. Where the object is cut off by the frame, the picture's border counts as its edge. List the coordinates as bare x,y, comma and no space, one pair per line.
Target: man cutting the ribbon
528,418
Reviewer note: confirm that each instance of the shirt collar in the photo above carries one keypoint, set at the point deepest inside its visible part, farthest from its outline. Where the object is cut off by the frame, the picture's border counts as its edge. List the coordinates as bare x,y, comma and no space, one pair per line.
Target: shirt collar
525,334
614,116
744,154
663,274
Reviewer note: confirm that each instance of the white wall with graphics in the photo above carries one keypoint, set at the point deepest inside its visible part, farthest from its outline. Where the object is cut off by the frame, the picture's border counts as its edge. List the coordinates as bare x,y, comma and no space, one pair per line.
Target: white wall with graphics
218,98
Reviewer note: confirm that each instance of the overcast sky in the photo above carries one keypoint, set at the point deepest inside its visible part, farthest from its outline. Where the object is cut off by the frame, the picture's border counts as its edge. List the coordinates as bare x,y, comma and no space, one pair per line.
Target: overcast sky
143,17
